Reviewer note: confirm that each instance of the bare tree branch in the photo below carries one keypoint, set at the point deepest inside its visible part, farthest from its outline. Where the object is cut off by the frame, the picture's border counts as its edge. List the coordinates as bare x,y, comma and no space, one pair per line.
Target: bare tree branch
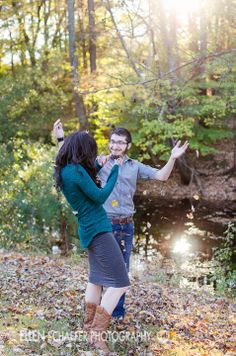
132,64
198,61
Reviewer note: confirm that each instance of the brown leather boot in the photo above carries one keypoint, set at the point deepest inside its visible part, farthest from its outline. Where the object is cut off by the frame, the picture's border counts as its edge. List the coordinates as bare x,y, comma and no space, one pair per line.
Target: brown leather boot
100,324
90,310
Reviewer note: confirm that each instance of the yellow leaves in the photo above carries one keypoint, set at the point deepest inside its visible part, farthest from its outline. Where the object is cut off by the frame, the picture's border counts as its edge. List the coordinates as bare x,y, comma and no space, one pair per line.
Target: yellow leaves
180,323
12,342
145,312
29,314
172,334
131,329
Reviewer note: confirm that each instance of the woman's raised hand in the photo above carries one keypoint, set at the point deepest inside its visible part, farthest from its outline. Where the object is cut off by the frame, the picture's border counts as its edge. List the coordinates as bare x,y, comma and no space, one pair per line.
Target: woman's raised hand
58,129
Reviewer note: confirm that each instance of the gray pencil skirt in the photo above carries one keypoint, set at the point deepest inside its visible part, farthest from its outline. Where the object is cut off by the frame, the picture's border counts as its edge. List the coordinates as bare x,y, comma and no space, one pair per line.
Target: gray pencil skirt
106,263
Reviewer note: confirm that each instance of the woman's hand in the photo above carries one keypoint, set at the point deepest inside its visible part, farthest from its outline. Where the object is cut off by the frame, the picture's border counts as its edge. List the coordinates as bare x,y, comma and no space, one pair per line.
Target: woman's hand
114,162
58,129
102,159
119,161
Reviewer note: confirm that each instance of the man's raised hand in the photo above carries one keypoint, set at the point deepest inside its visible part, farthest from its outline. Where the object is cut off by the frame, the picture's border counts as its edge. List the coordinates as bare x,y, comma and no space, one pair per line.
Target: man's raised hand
178,150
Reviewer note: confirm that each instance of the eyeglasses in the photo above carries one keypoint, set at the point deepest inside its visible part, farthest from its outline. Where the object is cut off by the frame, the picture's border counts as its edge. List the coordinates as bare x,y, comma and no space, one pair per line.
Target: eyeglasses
119,143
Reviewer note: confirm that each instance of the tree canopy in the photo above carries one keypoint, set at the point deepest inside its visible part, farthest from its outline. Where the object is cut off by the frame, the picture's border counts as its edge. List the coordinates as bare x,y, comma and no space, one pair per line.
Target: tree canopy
163,69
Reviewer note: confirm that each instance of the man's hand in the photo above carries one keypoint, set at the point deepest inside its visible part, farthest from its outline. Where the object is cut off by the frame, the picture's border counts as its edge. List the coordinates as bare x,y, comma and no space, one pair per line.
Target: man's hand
178,150
58,129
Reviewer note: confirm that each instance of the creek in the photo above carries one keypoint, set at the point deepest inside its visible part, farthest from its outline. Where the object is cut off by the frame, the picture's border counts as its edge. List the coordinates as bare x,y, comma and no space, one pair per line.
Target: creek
183,234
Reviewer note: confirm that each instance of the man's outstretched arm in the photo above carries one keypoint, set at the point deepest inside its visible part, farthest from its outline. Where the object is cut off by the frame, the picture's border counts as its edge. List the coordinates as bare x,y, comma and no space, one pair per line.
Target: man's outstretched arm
164,173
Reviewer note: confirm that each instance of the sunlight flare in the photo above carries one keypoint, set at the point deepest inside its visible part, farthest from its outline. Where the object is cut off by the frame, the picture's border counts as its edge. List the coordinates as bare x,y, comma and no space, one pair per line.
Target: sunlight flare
181,246
184,7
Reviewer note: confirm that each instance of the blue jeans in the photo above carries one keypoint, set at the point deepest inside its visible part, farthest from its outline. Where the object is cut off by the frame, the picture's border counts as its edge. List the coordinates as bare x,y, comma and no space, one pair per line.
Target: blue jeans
124,234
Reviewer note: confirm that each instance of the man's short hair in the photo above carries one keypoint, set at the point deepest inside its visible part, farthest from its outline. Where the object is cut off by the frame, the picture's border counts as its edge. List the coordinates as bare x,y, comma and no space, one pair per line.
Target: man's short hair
120,131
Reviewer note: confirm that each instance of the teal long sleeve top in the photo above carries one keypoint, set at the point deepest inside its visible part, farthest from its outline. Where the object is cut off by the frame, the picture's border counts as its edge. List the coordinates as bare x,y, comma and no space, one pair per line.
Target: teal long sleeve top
85,197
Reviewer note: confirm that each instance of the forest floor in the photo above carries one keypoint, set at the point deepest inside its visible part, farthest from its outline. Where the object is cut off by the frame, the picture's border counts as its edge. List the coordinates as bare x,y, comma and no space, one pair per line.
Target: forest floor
42,301
213,186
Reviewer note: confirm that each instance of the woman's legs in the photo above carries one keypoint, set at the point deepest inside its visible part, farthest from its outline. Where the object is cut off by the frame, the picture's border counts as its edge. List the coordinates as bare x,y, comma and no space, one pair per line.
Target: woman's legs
102,317
92,300
111,298
93,293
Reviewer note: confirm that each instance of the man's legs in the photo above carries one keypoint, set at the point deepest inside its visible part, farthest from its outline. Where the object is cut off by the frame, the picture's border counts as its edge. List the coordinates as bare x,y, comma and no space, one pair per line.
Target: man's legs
124,234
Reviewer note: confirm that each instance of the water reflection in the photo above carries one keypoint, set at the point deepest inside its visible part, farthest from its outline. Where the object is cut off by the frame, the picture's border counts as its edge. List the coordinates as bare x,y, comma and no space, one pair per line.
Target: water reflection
179,240
181,246
176,230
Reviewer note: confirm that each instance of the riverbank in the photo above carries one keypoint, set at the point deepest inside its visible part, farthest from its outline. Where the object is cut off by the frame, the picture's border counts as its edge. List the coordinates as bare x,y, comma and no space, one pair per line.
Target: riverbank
42,298
214,186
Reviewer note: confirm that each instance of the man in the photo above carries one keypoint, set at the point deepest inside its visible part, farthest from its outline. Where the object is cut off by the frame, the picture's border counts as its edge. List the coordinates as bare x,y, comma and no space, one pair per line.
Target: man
119,205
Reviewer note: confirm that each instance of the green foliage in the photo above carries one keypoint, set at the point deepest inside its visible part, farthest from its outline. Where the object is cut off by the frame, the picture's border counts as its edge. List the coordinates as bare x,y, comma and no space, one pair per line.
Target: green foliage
225,270
31,208
29,104
196,102
198,110
154,135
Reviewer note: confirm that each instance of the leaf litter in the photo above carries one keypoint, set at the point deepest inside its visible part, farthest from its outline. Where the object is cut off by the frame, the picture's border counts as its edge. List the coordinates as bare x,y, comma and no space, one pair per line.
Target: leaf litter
44,294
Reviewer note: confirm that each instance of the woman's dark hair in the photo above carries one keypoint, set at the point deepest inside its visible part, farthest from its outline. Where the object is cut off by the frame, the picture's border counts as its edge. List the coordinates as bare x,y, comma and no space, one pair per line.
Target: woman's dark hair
79,147
121,131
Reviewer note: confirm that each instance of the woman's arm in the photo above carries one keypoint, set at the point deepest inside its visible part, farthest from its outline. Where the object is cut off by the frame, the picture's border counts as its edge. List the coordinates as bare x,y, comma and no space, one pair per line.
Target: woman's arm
93,192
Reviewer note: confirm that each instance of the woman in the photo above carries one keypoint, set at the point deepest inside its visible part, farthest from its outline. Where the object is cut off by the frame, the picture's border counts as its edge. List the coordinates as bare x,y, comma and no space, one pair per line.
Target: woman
75,174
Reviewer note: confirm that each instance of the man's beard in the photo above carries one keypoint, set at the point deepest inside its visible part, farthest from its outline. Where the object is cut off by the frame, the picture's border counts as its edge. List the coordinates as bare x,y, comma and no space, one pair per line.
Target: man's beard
115,156
120,155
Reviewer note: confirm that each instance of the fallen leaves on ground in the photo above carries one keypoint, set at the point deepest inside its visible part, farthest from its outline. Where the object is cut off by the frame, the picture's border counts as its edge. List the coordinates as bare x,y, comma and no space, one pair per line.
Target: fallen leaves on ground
42,299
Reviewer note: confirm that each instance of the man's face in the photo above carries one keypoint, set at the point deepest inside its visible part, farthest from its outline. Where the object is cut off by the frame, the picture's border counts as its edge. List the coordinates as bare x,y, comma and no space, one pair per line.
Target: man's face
118,145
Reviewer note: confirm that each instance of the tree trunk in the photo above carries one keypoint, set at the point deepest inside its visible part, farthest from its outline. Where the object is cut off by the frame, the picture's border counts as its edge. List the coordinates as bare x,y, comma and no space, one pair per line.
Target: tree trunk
155,51
169,39
203,33
57,36
79,102
193,31
29,42
234,164
232,170
12,53
92,36
64,242
46,10
82,39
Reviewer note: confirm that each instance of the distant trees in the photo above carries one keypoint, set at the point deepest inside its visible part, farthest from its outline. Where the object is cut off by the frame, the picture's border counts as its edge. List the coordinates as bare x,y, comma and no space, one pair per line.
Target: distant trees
163,72
79,102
